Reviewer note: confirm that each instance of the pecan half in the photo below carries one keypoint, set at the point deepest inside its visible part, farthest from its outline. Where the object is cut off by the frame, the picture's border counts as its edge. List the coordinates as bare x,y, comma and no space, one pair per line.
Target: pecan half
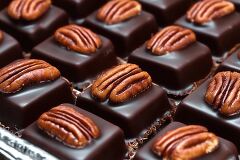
186,143
28,9
116,11
1,36
170,39
207,10
68,126
78,39
223,93
121,83
18,74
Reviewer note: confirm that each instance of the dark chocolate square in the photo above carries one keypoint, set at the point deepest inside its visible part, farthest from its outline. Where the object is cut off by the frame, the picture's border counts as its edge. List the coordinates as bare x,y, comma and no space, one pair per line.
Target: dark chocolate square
177,69
76,66
10,50
232,63
220,35
30,33
132,116
166,11
226,150
79,8
194,109
127,35
110,145
25,106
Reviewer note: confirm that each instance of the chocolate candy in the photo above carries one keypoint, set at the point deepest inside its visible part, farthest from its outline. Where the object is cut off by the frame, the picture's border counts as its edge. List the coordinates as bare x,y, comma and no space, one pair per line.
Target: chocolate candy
181,136
78,61
219,30
10,49
231,63
29,88
108,145
125,96
80,8
173,63
27,31
165,11
127,30
213,110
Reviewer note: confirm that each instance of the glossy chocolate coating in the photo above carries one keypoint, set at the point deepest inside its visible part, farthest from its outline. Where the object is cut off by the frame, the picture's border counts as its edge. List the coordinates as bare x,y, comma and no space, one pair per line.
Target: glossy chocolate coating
194,109
30,33
220,35
166,11
127,35
232,63
177,69
132,116
79,8
226,150
110,145
25,106
73,65
10,50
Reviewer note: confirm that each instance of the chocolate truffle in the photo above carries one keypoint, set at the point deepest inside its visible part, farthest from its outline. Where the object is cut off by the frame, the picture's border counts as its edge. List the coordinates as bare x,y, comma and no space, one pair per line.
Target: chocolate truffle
232,63
224,150
31,26
165,11
215,104
125,96
219,30
126,29
176,63
28,88
89,55
10,49
108,145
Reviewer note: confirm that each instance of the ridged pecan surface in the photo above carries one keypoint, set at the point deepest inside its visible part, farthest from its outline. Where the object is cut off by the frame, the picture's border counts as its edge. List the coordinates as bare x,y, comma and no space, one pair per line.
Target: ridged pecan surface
207,10
116,11
21,73
223,93
185,143
121,83
170,39
68,126
78,39
28,9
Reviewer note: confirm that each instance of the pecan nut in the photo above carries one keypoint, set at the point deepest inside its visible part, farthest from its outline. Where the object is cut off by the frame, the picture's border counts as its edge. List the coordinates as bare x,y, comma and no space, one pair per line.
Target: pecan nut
78,39
1,36
69,126
116,11
28,9
185,143
18,74
223,93
170,39
207,10
121,83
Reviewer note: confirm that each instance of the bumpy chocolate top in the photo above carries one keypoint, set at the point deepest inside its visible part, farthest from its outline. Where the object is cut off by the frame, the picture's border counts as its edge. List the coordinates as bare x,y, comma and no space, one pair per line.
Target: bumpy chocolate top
170,39
24,72
1,36
116,11
121,83
186,143
223,93
78,39
207,10
28,9
69,126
